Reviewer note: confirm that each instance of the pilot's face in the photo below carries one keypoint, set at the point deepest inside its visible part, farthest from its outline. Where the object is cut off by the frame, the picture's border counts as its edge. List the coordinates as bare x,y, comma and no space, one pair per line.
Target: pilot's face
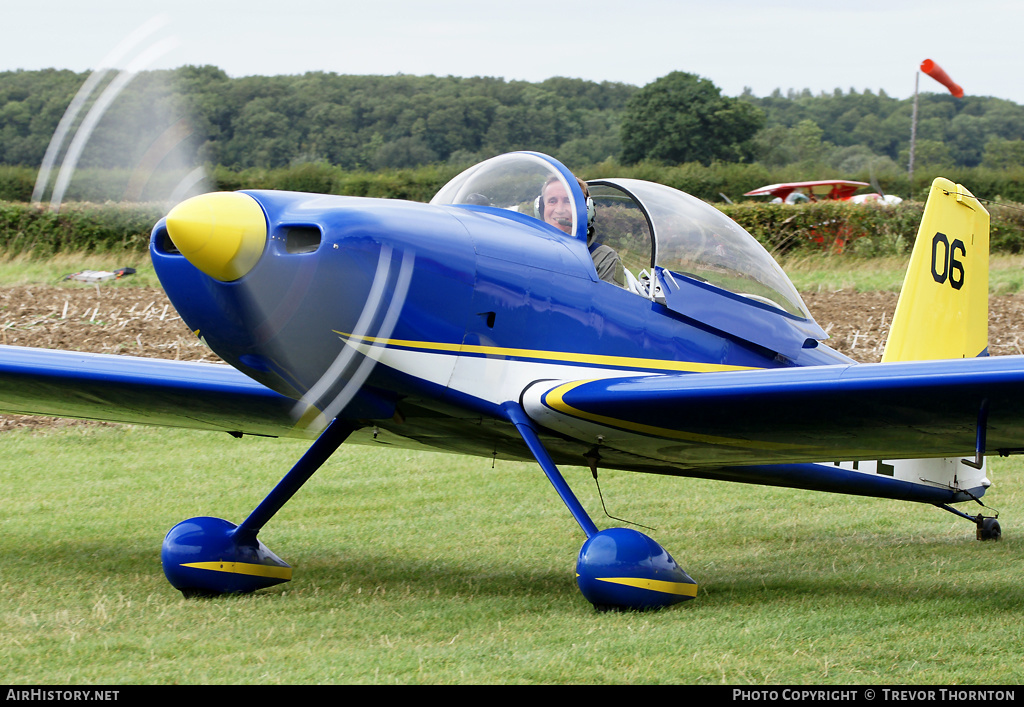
557,207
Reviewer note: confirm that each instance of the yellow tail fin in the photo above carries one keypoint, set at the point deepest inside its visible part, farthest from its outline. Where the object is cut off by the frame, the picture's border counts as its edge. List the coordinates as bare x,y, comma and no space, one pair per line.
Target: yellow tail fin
943,307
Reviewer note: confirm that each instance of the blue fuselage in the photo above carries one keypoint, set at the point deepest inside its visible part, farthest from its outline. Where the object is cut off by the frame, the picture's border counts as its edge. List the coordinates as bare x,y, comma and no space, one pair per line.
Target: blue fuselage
386,309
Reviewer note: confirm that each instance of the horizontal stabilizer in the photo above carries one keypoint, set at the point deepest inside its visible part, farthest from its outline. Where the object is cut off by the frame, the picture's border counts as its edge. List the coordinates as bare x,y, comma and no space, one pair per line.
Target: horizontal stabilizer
813,414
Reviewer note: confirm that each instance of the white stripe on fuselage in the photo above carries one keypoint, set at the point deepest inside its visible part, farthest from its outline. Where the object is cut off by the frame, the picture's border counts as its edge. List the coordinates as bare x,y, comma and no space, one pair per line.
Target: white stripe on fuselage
491,379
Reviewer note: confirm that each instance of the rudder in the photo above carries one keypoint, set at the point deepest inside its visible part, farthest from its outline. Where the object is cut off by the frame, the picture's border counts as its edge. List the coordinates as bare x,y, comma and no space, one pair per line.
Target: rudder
943,307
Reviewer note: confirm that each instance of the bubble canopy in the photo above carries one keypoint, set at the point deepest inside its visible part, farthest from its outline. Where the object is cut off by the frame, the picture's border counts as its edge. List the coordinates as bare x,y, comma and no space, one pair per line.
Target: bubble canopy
689,237
515,182
649,225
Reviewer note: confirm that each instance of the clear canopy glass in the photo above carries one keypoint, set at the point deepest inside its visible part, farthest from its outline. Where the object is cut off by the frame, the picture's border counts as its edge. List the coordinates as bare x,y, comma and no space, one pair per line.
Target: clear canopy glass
653,225
649,225
514,182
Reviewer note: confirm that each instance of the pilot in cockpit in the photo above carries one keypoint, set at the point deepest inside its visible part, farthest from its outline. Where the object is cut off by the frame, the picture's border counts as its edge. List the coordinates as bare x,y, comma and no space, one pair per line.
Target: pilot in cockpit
555,207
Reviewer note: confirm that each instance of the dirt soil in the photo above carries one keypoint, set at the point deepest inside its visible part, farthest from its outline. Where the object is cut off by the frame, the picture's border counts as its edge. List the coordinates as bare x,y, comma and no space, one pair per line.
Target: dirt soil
139,321
135,321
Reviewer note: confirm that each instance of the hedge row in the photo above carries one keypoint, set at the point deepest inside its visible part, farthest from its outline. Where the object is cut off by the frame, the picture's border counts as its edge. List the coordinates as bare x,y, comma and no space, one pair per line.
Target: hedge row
35,230
717,182
864,230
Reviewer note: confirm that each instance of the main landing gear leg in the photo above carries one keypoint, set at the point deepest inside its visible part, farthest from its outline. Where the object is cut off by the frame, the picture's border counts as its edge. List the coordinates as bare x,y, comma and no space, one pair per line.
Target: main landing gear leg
210,556
618,568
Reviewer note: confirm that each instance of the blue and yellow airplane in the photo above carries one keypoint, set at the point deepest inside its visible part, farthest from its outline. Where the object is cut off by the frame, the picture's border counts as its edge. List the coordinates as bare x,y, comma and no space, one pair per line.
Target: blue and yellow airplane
479,324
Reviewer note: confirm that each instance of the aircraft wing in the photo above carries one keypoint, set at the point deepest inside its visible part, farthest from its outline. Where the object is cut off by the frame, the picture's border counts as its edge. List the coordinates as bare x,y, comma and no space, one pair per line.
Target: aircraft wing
827,188
811,414
146,391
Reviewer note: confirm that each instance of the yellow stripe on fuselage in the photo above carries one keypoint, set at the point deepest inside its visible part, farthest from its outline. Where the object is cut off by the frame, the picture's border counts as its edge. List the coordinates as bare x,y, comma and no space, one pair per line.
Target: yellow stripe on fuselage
645,364
272,571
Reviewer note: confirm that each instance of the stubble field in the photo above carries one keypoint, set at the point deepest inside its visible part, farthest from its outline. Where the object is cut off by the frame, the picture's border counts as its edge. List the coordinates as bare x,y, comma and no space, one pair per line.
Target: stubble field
139,321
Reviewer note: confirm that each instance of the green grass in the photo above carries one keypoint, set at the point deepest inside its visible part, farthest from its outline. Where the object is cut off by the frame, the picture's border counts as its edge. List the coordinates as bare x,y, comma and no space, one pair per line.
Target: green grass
427,568
23,270
822,272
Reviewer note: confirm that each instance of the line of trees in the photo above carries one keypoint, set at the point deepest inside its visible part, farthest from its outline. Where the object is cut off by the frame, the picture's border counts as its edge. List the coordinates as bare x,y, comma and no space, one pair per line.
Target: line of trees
393,122
369,122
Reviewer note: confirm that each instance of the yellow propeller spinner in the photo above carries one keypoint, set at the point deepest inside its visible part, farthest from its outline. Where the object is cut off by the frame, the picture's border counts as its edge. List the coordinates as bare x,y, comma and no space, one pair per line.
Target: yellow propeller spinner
221,233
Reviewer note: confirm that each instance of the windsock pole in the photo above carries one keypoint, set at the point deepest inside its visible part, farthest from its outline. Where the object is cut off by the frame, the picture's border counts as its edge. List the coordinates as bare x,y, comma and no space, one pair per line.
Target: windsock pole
913,134
935,71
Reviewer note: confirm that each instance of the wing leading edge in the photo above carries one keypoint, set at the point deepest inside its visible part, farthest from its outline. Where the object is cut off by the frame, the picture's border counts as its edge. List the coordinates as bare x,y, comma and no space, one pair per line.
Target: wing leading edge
142,391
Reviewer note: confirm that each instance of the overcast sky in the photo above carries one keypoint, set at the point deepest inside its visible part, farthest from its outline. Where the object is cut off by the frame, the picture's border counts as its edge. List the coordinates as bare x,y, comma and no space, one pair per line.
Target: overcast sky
760,44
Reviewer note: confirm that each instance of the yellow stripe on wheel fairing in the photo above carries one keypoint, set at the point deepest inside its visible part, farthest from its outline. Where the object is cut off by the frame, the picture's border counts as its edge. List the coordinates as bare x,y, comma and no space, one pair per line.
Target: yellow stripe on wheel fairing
272,571
678,588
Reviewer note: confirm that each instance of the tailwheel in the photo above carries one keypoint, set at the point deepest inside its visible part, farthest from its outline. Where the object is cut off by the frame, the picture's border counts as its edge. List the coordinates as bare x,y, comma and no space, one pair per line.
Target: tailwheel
988,528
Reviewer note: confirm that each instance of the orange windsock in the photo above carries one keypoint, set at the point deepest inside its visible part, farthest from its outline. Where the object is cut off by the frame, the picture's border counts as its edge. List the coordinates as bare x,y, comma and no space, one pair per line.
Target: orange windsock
935,71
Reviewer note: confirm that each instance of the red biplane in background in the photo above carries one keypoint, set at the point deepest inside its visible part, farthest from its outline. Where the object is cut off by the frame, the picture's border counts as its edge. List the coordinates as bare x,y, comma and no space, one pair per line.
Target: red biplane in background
822,190
833,234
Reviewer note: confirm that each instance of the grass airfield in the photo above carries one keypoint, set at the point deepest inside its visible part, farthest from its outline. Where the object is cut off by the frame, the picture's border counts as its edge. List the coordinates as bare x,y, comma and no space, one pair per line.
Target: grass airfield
420,568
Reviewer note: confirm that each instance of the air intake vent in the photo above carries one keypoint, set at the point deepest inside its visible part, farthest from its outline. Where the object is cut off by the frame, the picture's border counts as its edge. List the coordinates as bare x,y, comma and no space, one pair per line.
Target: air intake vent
302,239
164,244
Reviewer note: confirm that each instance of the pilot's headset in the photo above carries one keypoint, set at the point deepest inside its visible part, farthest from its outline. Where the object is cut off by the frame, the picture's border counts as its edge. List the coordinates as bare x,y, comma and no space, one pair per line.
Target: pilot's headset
538,207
